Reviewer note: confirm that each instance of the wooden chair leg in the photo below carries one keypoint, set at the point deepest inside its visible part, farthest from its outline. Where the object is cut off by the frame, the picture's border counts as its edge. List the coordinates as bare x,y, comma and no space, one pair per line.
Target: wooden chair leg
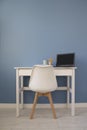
34,105
52,106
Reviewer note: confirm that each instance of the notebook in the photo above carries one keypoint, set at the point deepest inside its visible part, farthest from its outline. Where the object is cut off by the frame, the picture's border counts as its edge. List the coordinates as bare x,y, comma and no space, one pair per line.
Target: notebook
65,60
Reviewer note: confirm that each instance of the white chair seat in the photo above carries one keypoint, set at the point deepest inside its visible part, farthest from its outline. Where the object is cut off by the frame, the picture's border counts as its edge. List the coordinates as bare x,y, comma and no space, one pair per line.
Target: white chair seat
43,79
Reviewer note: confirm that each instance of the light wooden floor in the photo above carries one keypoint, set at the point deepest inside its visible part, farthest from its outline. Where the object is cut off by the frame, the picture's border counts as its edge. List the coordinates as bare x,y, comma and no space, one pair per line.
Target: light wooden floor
43,120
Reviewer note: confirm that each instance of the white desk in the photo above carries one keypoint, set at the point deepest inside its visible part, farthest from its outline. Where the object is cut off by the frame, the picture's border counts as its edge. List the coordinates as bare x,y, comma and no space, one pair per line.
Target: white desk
59,71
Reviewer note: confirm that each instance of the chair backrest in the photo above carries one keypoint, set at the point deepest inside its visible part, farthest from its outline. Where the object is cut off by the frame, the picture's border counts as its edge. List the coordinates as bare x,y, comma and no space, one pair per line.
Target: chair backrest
43,79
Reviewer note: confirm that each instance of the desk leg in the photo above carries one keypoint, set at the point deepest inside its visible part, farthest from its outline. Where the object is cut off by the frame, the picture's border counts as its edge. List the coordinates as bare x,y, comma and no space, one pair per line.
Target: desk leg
73,94
68,86
17,93
22,92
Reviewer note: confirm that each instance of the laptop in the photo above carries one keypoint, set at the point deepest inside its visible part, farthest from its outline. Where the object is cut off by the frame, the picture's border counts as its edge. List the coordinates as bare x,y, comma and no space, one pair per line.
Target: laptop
65,60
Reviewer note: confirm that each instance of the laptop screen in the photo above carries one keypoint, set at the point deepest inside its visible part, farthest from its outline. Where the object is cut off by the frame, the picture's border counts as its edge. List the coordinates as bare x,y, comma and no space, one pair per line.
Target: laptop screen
67,60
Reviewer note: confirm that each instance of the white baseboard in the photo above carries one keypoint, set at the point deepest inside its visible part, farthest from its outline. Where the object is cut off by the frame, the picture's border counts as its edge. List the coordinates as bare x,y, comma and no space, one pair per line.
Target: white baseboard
81,105
7,105
13,105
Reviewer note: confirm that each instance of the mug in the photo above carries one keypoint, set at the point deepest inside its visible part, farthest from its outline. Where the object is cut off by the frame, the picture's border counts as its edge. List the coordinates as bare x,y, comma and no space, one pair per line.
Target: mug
44,62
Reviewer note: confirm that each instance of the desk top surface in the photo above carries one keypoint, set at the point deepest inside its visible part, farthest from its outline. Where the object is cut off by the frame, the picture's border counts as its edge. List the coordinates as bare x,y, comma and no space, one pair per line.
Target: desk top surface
54,67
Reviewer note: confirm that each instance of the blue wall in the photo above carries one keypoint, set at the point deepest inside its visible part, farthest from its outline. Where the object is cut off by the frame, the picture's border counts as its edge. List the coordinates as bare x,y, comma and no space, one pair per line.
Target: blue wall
33,30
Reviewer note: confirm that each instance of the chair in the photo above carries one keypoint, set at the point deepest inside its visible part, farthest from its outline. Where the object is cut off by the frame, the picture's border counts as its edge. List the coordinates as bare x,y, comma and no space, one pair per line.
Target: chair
43,82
